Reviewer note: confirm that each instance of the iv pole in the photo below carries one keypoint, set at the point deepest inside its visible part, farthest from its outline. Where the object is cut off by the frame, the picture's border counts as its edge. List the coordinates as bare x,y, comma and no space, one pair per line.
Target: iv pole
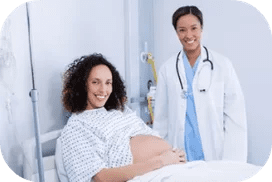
34,97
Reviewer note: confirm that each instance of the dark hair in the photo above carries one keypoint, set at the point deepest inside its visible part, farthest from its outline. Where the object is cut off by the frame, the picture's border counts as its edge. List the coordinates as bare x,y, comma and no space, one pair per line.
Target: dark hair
74,93
185,10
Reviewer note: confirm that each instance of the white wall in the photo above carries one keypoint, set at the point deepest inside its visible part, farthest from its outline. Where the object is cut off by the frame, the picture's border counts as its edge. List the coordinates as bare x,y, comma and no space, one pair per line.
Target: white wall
238,31
146,34
65,30
21,121
61,31
131,15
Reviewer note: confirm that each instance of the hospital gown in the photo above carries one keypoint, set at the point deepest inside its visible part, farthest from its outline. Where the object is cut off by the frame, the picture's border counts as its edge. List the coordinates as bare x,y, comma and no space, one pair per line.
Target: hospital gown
97,139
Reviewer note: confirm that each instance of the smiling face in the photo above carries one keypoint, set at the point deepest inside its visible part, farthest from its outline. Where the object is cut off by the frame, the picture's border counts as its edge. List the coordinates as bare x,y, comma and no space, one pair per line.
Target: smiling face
99,86
189,32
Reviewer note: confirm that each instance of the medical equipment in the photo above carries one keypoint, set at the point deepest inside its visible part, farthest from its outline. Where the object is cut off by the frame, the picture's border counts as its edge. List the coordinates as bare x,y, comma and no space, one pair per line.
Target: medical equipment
151,103
151,61
152,89
8,71
181,85
147,57
34,98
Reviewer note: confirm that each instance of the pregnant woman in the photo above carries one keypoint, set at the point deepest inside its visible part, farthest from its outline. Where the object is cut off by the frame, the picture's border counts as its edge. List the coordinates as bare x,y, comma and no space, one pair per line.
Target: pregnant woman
103,139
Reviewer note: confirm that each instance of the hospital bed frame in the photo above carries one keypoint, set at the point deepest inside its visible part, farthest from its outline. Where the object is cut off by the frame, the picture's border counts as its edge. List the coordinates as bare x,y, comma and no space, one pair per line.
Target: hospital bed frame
30,164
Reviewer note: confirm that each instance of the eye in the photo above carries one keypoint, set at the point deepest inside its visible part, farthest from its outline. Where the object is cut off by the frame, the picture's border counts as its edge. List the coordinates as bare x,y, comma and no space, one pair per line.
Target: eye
109,83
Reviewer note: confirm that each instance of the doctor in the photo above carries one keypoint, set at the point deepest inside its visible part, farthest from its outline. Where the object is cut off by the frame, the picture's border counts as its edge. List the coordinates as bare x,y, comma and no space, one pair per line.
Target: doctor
199,102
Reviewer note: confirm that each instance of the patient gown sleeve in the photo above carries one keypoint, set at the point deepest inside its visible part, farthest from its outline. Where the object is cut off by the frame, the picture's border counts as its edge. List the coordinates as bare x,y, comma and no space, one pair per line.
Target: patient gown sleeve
235,125
83,152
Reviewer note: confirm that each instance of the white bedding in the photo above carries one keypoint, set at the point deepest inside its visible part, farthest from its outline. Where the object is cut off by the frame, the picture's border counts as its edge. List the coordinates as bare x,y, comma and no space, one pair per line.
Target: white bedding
200,171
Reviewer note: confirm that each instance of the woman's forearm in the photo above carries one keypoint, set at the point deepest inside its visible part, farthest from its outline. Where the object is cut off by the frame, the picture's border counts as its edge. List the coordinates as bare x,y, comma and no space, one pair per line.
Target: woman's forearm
125,173
128,172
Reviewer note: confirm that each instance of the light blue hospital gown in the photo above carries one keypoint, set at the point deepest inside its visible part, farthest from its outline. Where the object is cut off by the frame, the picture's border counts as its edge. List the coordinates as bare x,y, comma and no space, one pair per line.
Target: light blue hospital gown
97,139
192,142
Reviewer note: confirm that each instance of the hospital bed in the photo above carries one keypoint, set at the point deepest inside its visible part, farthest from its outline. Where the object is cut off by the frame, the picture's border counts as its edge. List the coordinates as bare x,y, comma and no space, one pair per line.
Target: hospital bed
217,171
30,169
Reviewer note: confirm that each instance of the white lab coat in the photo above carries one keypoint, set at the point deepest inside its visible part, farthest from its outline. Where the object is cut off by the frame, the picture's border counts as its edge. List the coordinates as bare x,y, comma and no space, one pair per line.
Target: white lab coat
220,109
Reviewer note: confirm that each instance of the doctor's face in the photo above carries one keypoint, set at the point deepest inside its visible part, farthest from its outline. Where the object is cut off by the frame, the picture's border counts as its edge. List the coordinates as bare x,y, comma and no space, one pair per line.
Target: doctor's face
189,32
99,86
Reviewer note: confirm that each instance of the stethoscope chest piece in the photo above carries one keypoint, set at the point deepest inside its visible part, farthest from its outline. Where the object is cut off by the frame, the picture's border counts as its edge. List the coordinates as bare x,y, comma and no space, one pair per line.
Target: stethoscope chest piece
184,94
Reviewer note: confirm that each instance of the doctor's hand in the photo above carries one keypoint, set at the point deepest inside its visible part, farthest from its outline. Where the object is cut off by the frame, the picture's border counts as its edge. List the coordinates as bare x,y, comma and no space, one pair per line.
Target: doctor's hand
173,156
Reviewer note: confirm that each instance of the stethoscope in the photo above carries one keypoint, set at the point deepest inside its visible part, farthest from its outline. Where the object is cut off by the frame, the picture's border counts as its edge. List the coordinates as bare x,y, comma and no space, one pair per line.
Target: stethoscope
205,60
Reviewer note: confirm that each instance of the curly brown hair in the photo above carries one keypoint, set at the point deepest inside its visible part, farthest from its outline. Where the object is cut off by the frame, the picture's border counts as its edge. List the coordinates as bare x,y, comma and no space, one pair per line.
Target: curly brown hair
74,93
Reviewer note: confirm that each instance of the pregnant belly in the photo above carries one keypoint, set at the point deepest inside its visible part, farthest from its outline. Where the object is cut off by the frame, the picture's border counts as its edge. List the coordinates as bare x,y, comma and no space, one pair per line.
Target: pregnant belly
144,147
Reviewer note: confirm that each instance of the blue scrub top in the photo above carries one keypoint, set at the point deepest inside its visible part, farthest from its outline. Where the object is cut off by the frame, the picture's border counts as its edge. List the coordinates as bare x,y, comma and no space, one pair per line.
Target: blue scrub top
192,140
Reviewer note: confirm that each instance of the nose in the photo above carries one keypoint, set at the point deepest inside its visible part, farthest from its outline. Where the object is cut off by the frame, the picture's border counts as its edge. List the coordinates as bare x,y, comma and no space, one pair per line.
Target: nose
189,34
103,88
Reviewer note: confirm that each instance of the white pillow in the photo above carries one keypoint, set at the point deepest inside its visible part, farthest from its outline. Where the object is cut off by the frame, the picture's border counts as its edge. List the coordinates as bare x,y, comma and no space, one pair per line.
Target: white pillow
49,175
59,163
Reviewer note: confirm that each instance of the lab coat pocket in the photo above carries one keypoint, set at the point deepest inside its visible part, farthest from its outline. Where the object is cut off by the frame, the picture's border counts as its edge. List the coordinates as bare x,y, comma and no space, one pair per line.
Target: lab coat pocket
217,94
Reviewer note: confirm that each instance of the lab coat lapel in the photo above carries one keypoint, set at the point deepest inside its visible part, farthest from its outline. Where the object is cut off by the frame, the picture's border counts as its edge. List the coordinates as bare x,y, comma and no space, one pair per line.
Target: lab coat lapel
200,64
188,71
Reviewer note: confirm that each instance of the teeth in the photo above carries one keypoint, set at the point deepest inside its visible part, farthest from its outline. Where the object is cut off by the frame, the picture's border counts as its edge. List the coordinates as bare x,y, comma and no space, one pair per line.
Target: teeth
190,42
101,97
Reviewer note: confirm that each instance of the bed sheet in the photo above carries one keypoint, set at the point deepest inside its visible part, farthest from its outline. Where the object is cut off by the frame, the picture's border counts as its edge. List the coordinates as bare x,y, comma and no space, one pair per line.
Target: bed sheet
201,171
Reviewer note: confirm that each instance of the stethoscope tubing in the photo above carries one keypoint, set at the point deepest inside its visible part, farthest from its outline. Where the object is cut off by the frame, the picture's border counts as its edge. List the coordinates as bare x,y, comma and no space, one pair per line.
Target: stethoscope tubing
207,59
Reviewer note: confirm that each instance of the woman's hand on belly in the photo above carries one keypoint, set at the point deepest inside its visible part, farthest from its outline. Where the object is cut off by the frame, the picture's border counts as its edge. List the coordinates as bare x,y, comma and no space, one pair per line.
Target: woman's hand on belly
125,173
145,147
149,153
173,156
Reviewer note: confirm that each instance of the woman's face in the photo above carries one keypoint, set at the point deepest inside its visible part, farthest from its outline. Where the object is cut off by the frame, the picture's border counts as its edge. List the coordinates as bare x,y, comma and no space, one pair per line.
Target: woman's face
99,86
189,32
